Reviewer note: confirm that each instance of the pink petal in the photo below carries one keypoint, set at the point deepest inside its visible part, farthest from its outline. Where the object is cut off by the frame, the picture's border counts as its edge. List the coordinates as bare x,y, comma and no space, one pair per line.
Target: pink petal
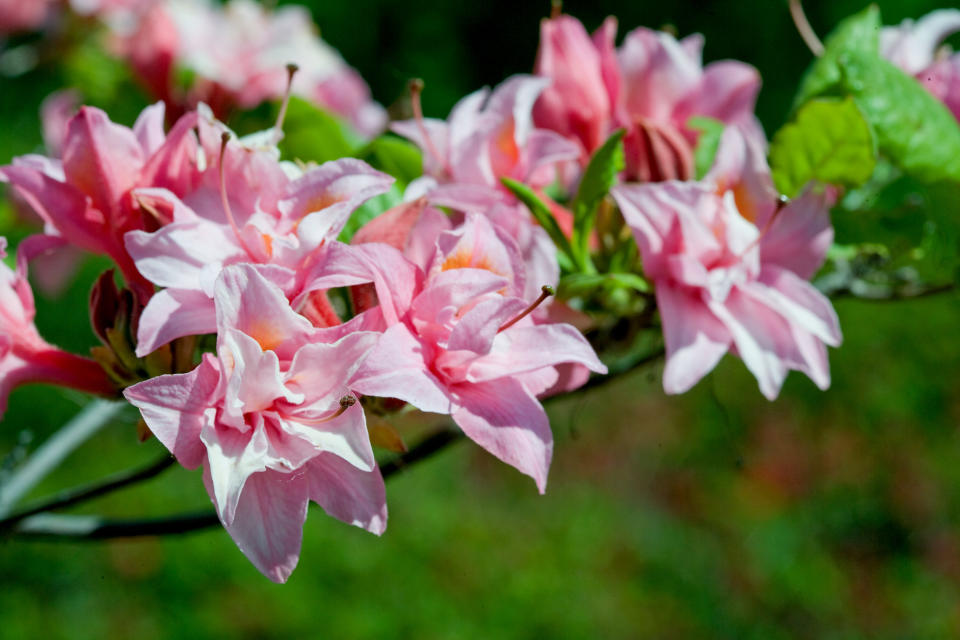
101,158
762,336
801,303
521,349
397,368
149,128
695,340
323,198
801,234
347,493
503,418
172,314
248,302
174,407
268,525
657,73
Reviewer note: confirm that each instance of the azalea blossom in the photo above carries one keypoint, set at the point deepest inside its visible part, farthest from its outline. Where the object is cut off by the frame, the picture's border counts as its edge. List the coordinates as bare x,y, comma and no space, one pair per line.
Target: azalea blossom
915,47
85,196
489,136
731,269
651,86
25,357
273,421
244,206
239,54
463,344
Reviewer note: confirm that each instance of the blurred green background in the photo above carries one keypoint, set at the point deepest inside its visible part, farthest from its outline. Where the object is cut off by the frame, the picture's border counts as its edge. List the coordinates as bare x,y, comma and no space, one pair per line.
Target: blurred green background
711,515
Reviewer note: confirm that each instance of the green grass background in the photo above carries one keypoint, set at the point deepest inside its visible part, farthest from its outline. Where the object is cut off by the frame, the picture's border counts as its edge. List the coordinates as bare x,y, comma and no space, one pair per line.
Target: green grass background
711,515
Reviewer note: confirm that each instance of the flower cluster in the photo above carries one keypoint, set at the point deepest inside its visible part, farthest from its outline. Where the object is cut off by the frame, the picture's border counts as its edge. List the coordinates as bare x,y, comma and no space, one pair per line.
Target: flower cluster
216,236
257,324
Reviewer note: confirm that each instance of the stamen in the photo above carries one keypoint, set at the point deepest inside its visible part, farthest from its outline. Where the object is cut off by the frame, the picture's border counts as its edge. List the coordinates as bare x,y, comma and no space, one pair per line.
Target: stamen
345,403
545,292
804,29
556,8
224,139
782,202
291,71
416,88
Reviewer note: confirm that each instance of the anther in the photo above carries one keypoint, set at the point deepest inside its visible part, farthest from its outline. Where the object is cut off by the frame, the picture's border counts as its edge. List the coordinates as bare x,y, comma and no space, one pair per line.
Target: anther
291,71
556,9
545,292
416,88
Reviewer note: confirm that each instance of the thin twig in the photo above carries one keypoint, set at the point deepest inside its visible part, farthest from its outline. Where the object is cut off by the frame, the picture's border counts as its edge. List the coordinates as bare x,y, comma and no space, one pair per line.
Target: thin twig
893,295
80,527
51,453
71,497
804,29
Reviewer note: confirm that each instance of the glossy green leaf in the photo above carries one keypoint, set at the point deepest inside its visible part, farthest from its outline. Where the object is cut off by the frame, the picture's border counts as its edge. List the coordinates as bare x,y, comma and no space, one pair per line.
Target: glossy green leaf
858,33
599,176
914,129
829,141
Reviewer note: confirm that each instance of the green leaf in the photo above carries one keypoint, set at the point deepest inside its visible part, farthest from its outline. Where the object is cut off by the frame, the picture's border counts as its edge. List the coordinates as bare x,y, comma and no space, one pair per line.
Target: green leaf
313,135
599,176
580,284
914,129
708,142
829,141
858,33
370,210
395,156
541,212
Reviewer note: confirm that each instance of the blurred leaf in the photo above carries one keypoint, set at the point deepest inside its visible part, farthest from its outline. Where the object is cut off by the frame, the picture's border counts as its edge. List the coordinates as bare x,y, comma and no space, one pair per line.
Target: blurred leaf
370,210
99,75
599,176
395,156
581,284
313,135
828,141
541,212
858,33
708,142
914,129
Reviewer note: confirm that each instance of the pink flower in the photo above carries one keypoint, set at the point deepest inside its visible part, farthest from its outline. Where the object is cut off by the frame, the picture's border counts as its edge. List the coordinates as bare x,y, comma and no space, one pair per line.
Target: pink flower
85,197
488,136
651,86
272,420
580,103
239,53
731,270
259,214
17,16
915,48
25,357
464,345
